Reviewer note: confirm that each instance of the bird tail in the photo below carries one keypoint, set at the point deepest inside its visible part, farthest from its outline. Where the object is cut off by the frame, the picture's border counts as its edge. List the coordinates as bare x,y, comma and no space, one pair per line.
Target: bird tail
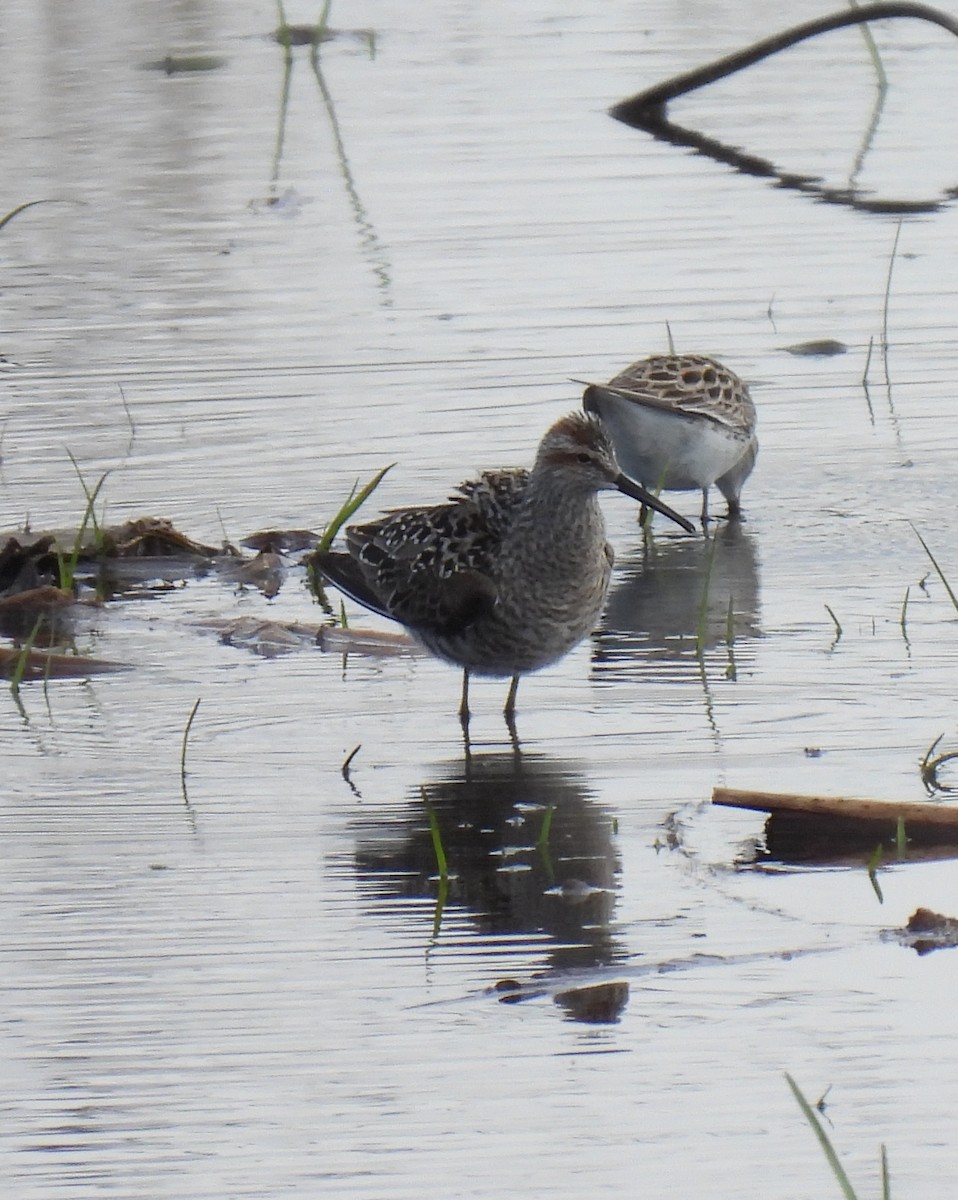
344,573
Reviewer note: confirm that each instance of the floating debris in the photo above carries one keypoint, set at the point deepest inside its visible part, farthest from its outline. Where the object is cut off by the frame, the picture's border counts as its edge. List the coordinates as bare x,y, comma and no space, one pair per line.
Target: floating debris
45,664
826,828
185,64
823,348
266,571
275,637
927,931
148,537
596,1004
281,541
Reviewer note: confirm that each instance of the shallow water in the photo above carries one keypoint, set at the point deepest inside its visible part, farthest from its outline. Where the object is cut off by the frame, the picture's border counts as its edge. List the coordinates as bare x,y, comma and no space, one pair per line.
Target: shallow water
253,992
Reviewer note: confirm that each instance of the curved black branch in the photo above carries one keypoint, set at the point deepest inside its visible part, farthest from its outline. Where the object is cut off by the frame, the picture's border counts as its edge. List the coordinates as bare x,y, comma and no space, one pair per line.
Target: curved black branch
642,108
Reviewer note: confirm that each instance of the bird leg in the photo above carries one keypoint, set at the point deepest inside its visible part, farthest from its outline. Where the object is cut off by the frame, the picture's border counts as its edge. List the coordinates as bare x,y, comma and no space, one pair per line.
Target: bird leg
509,712
705,507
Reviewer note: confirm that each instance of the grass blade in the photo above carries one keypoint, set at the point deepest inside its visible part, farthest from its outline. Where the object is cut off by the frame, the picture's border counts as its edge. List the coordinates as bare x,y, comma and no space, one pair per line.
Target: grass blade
934,562
823,1140
186,734
20,669
353,501
67,566
874,862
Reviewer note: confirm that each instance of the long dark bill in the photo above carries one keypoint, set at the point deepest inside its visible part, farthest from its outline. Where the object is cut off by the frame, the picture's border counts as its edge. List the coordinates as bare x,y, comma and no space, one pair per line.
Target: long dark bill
628,487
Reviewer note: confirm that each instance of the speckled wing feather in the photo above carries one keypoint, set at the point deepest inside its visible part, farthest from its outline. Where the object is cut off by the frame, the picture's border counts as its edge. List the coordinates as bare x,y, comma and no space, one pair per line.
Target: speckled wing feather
430,568
688,383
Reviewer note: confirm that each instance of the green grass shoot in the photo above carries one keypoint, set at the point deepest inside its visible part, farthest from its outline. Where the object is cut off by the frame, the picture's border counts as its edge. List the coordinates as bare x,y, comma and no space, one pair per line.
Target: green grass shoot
646,513
891,267
356,498
348,762
868,363
67,564
442,891
282,31
129,414
811,1116
874,862
901,841
353,501
15,212
903,618
837,623
436,835
542,841
186,734
934,562
926,768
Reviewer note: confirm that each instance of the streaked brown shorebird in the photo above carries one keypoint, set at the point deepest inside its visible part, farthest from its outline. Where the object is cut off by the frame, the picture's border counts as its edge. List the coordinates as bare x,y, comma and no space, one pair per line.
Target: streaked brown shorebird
510,574
680,422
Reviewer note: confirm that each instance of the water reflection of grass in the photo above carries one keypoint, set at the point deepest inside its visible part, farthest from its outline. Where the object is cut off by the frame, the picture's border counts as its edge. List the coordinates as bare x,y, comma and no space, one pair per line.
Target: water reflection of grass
314,36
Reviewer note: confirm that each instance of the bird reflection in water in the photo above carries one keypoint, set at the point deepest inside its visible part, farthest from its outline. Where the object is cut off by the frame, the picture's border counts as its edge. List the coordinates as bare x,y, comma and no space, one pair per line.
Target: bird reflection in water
655,608
508,880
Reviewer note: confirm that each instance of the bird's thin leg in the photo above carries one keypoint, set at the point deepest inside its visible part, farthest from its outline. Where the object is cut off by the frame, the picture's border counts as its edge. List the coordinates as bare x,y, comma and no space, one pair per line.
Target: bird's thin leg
510,709
509,712
705,507
645,516
464,702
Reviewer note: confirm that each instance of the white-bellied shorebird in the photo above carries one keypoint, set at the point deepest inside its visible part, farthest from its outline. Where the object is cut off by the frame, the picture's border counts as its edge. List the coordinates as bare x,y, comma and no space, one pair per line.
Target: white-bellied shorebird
680,422
511,573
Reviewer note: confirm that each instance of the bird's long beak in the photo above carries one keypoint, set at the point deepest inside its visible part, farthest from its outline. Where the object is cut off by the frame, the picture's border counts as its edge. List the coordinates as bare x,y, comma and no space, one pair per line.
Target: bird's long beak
628,487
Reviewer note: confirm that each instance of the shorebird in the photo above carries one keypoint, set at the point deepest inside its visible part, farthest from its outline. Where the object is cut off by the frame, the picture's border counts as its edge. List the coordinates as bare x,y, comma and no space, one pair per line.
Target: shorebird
507,576
680,422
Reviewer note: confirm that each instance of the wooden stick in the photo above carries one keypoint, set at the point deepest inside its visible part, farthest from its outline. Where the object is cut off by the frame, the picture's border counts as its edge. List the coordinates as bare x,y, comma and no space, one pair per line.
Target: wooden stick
846,807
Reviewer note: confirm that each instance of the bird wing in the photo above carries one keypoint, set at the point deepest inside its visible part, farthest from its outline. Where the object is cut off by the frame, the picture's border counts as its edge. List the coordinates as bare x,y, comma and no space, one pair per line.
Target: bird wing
686,384
679,402
431,568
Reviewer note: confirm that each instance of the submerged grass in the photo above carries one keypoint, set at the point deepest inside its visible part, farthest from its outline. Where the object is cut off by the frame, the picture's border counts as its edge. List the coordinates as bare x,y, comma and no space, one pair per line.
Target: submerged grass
829,1150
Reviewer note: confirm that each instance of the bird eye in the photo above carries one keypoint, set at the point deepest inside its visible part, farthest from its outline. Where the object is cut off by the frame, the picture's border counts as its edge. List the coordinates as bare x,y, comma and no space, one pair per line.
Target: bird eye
583,458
